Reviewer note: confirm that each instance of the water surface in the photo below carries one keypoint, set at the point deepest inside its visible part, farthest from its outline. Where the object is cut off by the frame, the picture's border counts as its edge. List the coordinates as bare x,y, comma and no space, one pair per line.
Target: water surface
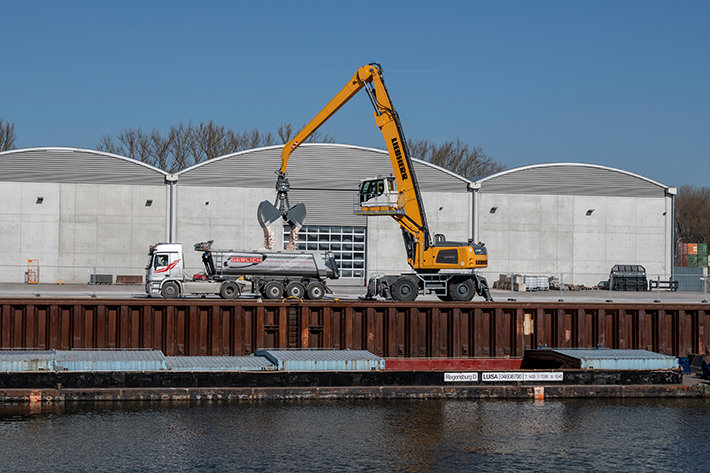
456,435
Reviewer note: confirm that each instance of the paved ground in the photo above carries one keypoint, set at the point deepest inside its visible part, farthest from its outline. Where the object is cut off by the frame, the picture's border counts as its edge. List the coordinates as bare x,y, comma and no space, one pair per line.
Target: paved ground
353,292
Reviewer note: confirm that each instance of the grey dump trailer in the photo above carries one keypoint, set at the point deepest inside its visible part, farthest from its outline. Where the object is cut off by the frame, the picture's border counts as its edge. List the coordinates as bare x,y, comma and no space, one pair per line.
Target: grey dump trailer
271,274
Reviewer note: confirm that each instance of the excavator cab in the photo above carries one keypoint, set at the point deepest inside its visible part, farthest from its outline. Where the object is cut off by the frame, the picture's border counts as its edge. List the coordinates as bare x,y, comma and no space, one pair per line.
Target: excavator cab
378,196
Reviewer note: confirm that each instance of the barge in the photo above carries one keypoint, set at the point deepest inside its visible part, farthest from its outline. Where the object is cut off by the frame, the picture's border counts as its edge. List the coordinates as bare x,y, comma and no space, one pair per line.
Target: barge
330,374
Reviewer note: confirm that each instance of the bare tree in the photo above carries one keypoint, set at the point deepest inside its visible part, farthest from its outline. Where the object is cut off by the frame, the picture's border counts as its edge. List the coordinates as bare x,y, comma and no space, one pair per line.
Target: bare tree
188,144
7,135
692,214
285,132
470,162
136,144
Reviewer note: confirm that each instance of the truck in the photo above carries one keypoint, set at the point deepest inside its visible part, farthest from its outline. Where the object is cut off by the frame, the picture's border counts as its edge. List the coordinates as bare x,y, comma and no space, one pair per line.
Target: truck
271,274
444,268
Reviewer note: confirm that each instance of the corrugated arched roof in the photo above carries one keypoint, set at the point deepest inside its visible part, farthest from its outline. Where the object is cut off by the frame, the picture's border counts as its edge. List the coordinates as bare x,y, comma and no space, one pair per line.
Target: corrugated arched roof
571,179
313,165
75,165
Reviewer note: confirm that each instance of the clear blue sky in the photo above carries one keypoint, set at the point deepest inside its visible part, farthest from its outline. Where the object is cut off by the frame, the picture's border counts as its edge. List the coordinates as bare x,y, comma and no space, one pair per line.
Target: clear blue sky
618,83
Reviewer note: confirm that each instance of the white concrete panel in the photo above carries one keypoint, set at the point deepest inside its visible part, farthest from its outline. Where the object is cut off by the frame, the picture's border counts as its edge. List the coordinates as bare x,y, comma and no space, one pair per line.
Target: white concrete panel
448,214
223,214
10,231
385,247
566,240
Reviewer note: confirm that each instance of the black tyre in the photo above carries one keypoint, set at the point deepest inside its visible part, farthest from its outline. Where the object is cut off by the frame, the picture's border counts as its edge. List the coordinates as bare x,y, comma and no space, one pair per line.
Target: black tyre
170,290
404,289
295,289
462,290
273,290
229,290
316,290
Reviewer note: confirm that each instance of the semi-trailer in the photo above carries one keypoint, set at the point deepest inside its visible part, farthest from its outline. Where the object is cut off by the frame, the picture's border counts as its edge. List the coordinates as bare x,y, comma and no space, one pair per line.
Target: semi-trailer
271,274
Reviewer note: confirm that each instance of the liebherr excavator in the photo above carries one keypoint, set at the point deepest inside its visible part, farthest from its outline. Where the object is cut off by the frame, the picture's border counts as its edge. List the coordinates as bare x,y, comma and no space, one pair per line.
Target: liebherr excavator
398,196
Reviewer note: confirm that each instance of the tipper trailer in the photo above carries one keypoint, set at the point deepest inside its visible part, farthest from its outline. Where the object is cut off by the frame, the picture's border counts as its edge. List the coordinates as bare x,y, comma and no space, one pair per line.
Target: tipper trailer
272,274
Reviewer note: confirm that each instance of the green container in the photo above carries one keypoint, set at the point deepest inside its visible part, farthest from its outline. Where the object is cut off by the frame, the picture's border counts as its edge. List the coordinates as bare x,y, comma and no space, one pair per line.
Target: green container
693,261
702,248
702,260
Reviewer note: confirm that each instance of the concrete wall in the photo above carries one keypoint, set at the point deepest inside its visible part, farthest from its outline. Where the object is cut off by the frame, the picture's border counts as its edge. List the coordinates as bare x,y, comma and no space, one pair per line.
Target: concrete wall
552,234
450,214
226,215
78,227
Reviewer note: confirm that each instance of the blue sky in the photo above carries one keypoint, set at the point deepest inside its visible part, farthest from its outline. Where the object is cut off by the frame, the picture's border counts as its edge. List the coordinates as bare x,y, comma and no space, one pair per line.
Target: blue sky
618,83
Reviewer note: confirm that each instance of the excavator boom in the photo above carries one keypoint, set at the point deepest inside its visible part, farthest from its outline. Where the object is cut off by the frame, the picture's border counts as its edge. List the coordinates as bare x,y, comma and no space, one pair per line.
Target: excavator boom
423,254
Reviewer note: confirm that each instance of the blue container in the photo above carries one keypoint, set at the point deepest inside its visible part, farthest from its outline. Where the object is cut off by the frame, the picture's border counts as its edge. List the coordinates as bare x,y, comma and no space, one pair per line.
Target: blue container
323,360
109,360
25,360
617,359
218,363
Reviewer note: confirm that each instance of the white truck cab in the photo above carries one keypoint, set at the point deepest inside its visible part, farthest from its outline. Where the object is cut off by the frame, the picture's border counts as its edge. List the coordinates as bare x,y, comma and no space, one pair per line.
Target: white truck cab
166,262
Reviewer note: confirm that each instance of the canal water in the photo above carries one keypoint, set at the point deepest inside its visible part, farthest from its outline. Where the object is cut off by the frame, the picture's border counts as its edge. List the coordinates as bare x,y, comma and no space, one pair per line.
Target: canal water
426,435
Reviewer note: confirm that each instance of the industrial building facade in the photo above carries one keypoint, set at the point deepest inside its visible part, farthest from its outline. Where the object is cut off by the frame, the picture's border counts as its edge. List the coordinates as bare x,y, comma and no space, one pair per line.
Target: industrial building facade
79,211
575,221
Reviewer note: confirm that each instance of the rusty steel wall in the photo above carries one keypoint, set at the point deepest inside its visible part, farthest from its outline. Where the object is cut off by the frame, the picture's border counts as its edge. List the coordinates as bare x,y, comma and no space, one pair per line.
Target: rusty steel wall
418,329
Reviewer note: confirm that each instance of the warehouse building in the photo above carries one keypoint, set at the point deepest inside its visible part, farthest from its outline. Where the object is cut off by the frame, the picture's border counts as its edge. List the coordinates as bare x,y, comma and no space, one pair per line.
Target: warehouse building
80,211
217,199
73,210
574,220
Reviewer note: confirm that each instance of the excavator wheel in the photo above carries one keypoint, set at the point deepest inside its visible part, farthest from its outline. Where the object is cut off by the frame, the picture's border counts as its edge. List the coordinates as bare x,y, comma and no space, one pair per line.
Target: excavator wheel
462,290
316,290
295,289
170,290
273,290
229,290
404,289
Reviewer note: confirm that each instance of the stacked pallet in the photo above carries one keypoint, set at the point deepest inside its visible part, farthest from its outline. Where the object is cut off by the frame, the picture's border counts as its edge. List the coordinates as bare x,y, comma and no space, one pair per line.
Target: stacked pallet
537,283
522,283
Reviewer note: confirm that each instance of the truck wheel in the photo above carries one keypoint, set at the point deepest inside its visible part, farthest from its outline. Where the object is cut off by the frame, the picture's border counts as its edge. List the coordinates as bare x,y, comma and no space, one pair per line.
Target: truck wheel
462,290
404,289
170,290
316,291
273,290
229,290
295,289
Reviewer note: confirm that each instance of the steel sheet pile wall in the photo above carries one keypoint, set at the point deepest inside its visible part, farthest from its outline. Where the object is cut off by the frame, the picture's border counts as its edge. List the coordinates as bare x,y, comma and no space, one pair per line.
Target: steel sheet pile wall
420,329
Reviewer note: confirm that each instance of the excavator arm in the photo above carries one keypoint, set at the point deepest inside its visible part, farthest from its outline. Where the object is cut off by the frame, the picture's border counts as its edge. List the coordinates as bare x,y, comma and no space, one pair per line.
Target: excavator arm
413,220
423,254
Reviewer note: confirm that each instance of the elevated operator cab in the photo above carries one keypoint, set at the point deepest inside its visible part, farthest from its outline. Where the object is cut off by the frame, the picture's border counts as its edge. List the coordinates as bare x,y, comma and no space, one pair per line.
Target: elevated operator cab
379,196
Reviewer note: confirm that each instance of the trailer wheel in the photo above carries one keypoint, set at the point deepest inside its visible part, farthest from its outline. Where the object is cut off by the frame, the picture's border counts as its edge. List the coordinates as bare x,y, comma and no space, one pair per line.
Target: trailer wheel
462,290
295,289
170,290
273,290
229,290
404,289
316,290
